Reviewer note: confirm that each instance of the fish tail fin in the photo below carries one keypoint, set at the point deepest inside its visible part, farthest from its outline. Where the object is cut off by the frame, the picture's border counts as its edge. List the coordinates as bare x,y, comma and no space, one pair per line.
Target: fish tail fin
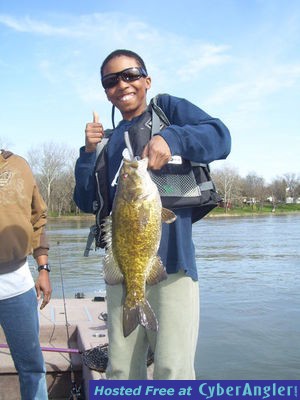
141,314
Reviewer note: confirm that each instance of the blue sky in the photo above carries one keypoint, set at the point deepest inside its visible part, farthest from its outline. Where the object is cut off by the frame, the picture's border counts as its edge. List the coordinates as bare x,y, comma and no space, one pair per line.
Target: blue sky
239,60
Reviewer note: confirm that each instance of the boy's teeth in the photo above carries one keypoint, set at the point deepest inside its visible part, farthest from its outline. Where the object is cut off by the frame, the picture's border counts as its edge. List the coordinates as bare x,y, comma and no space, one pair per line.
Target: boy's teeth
126,97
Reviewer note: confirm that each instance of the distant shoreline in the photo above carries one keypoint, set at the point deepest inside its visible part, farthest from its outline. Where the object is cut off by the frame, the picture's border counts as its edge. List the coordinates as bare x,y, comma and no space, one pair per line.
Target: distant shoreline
254,214
212,214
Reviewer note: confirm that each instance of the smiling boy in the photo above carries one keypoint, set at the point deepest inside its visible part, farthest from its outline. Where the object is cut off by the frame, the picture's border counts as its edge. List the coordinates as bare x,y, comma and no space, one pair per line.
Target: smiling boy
195,136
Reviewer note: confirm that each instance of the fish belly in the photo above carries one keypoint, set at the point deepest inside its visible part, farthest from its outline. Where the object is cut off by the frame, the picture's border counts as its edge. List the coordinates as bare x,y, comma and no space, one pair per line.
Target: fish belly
136,233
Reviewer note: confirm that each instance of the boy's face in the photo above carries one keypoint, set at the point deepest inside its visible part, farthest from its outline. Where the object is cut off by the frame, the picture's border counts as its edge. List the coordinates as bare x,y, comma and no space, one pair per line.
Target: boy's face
128,97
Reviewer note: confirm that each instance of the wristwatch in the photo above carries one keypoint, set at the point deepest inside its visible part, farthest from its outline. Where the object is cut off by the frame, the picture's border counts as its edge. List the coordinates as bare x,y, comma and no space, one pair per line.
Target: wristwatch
45,266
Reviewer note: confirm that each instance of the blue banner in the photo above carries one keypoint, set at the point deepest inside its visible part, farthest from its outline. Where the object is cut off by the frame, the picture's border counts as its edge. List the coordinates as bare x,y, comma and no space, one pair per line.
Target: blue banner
194,390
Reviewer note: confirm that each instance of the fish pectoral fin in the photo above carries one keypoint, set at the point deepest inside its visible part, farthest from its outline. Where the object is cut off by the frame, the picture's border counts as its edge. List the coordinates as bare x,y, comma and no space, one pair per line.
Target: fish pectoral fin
141,314
112,273
167,216
157,272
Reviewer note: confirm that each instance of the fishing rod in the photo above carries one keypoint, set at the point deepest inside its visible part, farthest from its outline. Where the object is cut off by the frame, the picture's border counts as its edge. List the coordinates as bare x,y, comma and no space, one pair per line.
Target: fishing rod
95,358
50,349
75,390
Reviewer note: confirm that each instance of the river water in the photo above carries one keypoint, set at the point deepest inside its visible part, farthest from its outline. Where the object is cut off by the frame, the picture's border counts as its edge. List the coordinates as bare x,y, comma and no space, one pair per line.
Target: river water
249,291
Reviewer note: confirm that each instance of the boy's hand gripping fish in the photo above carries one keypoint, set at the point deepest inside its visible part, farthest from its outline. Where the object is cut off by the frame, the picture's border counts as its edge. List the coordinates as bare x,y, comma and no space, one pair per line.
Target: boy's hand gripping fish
133,233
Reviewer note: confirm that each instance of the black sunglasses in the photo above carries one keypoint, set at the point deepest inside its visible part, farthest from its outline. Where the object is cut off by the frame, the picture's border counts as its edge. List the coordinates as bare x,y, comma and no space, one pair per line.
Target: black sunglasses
127,75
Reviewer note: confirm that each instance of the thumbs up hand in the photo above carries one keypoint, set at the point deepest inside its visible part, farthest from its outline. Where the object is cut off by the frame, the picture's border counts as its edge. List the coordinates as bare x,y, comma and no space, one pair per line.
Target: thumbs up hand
93,133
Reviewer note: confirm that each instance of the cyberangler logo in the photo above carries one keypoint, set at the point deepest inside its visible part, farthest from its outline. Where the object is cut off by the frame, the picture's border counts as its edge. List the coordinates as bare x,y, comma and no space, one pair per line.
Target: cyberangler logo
248,390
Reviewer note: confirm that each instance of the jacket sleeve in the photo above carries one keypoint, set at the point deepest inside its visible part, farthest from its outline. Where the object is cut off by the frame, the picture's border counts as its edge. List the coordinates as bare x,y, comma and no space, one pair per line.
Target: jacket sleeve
85,186
40,245
193,134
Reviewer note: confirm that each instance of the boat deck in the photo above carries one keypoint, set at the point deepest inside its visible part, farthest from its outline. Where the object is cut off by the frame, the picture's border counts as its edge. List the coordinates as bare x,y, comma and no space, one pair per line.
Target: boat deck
86,330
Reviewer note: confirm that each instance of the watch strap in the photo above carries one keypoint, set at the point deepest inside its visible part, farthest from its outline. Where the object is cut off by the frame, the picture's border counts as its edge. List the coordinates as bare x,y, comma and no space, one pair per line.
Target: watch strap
45,267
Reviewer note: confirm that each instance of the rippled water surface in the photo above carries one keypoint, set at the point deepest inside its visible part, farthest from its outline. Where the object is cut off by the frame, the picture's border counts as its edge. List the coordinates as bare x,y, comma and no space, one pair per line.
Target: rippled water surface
250,291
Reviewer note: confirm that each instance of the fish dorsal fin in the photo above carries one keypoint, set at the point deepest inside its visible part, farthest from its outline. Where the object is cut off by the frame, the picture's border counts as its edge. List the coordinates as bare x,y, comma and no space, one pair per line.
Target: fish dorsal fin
167,216
157,272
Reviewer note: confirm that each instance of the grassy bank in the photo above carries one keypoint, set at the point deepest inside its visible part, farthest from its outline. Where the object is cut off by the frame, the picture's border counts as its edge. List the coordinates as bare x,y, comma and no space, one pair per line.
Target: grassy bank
219,211
280,209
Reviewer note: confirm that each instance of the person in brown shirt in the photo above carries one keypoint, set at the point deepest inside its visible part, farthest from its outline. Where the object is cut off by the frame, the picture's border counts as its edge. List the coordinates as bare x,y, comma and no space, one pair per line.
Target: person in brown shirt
23,217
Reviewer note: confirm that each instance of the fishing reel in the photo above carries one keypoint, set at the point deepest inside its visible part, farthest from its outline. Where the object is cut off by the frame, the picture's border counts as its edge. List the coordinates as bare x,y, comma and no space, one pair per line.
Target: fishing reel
76,393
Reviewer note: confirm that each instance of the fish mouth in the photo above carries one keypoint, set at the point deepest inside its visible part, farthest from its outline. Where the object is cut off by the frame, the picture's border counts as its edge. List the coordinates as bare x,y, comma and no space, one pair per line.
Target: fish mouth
136,162
131,163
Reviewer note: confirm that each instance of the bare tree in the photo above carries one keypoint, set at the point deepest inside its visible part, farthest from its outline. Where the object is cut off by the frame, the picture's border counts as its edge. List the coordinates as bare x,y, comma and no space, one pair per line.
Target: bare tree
62,193
50,162
292,182
227,182
254,189
5,143
277,190
297,189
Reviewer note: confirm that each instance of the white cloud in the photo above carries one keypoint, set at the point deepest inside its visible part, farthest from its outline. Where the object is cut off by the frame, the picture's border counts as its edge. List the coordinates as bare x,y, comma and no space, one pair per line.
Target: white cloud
89,37
91,25
201,57
254,85
30,25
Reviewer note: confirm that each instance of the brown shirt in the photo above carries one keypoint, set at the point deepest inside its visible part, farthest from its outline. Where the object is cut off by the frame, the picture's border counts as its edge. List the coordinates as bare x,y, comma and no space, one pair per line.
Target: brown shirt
23,214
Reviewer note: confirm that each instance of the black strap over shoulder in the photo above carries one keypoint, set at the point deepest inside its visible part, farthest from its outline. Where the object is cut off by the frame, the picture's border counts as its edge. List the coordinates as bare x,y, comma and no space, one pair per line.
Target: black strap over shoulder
159,116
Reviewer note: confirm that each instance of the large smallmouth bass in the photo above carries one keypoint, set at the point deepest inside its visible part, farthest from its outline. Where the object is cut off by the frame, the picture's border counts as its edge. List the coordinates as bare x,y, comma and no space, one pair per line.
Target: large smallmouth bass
133,233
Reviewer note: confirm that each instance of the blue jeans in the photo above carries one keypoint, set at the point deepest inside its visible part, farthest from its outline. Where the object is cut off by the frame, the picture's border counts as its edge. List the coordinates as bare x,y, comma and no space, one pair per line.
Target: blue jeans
20,323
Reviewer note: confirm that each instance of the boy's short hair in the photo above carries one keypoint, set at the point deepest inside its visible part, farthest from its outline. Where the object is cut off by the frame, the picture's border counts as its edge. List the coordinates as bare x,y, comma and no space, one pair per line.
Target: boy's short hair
123,52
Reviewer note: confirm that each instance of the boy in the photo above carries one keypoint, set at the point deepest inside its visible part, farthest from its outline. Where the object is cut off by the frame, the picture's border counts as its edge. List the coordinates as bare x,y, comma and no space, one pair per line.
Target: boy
195,136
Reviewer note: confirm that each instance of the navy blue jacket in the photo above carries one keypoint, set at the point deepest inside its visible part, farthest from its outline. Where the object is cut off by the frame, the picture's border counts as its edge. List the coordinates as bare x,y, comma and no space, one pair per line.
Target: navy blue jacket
195,136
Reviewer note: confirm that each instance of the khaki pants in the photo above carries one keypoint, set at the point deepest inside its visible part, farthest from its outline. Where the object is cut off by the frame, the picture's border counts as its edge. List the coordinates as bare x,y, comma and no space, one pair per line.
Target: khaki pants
175,303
